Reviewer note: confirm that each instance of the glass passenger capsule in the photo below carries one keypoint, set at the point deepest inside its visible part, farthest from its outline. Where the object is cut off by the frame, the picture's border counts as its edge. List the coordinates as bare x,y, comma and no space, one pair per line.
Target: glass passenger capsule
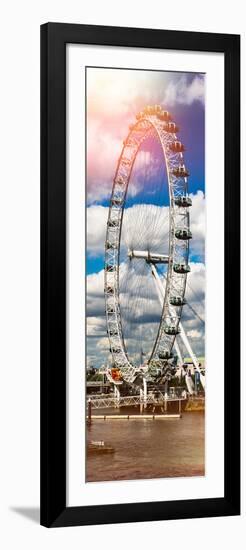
113,223
116,201
172,330
111,246
177,147
184,234
181,268
148,110
166,354
125,161
112,332
180,172
110,310
120,180
164,116
183,200
109,290
110,268
172,128
177,301
140,115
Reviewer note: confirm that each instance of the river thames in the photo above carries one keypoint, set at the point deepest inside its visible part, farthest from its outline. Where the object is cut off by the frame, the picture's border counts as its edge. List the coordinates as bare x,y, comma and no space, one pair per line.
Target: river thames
145,449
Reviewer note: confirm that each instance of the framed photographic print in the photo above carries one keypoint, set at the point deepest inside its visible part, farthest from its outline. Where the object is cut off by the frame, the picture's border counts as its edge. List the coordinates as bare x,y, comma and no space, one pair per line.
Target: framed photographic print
140,275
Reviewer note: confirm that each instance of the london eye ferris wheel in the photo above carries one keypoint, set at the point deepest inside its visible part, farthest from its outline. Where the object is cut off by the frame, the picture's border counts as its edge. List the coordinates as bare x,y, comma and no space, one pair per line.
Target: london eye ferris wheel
147,244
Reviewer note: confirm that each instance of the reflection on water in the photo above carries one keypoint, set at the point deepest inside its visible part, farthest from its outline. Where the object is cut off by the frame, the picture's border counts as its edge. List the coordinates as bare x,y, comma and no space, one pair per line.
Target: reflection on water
148,448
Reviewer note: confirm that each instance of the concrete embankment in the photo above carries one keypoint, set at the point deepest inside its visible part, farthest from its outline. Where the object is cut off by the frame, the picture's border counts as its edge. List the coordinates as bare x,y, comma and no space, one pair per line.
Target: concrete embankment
134,416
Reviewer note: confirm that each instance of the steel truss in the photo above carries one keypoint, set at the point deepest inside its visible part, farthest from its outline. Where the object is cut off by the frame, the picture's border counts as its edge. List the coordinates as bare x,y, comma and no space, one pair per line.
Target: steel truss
183,336
131,400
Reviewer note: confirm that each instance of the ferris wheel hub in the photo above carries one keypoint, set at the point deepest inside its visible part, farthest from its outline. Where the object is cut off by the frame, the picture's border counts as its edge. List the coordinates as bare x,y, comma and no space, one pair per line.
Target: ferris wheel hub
150,257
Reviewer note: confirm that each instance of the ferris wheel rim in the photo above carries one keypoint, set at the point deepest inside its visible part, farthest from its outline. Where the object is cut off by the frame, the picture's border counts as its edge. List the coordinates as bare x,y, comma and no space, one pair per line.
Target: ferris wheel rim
125,165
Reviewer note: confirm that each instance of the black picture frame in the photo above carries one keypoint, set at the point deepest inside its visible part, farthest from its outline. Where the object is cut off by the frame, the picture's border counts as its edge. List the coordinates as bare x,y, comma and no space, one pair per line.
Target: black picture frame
54,37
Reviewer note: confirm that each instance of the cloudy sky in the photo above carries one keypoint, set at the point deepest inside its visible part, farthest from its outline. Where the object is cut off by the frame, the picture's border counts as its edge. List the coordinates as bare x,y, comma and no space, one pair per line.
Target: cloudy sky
114,96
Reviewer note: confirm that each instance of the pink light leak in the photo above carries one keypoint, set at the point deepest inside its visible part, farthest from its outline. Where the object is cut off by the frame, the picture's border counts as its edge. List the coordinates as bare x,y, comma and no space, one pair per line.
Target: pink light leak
114,96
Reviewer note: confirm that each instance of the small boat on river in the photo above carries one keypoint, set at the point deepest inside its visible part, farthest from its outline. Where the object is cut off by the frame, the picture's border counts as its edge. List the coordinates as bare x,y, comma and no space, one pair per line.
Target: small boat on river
96,447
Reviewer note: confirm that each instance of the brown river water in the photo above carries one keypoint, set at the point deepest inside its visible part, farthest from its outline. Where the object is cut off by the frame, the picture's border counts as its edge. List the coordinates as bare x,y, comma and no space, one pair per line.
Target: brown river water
146,449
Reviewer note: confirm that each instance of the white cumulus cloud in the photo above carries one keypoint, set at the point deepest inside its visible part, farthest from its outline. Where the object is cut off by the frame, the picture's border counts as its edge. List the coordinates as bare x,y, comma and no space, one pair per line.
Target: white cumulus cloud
182,91
137,233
